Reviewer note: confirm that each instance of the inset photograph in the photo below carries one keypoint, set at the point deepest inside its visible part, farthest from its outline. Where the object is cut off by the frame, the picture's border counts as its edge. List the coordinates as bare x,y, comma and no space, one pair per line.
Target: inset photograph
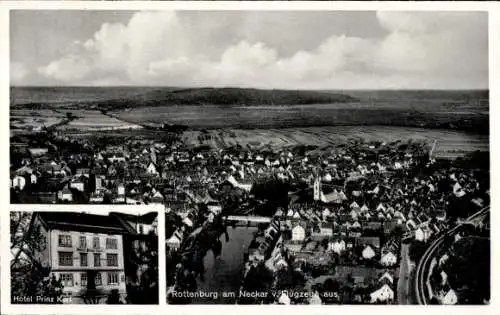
84,258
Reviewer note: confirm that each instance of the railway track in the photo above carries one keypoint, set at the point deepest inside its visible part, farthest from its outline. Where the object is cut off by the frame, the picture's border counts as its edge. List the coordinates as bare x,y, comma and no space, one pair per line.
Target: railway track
422,271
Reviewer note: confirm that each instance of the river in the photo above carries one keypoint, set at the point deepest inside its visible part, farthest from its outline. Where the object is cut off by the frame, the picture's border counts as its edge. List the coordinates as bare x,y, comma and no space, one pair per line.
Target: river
225,273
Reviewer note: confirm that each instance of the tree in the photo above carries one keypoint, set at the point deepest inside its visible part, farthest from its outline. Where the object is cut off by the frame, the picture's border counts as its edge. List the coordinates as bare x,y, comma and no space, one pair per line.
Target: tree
143,288
30,277
258,279
70,116
113,297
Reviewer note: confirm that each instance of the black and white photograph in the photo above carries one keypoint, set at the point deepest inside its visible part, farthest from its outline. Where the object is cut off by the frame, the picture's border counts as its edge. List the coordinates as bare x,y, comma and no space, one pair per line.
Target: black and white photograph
64,257
299,157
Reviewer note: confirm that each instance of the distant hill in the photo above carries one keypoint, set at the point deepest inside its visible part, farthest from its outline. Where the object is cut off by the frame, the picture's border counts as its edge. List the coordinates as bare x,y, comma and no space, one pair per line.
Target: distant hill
224,96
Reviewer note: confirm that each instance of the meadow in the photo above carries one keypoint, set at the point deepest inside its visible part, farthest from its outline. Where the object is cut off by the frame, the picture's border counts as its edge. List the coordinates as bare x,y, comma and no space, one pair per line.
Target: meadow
458,120
449,143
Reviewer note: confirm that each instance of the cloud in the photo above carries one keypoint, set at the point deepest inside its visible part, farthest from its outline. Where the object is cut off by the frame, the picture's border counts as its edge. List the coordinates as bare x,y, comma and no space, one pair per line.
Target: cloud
18,72
418,50
70,68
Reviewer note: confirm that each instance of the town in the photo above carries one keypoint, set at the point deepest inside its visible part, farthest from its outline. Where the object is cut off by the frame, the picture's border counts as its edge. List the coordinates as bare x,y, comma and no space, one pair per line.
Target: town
341,222
337,224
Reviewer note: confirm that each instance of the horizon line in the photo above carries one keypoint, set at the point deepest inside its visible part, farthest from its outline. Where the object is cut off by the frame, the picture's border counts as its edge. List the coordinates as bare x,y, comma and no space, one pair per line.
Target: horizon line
248,88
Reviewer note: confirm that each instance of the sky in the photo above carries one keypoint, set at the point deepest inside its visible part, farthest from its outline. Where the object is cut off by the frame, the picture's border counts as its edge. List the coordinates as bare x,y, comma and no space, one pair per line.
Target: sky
259,49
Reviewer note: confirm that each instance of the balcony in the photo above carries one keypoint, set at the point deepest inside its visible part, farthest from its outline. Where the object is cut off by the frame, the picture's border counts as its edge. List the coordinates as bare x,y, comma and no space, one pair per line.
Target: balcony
94,249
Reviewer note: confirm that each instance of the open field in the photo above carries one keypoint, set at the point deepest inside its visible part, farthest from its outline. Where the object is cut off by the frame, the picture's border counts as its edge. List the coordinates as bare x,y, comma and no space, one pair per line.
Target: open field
28,119
458,120
450,143
338,114
86,120
207,108
90,120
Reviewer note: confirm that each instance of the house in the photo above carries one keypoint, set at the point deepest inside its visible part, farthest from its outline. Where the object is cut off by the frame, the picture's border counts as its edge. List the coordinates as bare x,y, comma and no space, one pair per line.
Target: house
99,181
187,221
356,225
138,224
120,189
298,233
444,277
80,247
332,197
77,184
383,295
214,208
151,169
325,230
315,299
381,207
157,198
19,182
338,246
174,242
65,194
284,299
368,252
450,298
342,196
411,225
33,179
117,157
458,190
326,213
388,259
96,197
422,234
386,278
83,172
354,214
373,241
37,152
443,259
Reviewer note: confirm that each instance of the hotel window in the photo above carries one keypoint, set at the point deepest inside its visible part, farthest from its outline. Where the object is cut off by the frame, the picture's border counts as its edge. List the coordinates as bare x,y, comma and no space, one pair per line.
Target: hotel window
83,260
83,279
95,242
65,241
67,279
112,260
111,243
98,279
97,260
112,277
83,242
65,258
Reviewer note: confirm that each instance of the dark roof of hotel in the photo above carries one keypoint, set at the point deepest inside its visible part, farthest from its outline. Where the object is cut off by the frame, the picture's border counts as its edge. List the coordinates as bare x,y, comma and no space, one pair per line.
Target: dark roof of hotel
146,218
84,222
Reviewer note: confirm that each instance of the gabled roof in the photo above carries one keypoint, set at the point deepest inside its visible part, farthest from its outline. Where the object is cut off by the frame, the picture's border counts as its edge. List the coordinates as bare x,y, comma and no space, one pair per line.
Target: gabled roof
386,276
146,218
84,222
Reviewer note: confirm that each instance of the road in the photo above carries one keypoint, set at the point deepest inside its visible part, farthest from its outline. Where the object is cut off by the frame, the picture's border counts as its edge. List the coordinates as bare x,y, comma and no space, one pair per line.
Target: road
405,274
422,271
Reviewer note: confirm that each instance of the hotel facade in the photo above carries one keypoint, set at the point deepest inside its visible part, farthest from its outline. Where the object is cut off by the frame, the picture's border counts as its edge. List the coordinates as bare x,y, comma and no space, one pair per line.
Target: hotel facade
86,252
